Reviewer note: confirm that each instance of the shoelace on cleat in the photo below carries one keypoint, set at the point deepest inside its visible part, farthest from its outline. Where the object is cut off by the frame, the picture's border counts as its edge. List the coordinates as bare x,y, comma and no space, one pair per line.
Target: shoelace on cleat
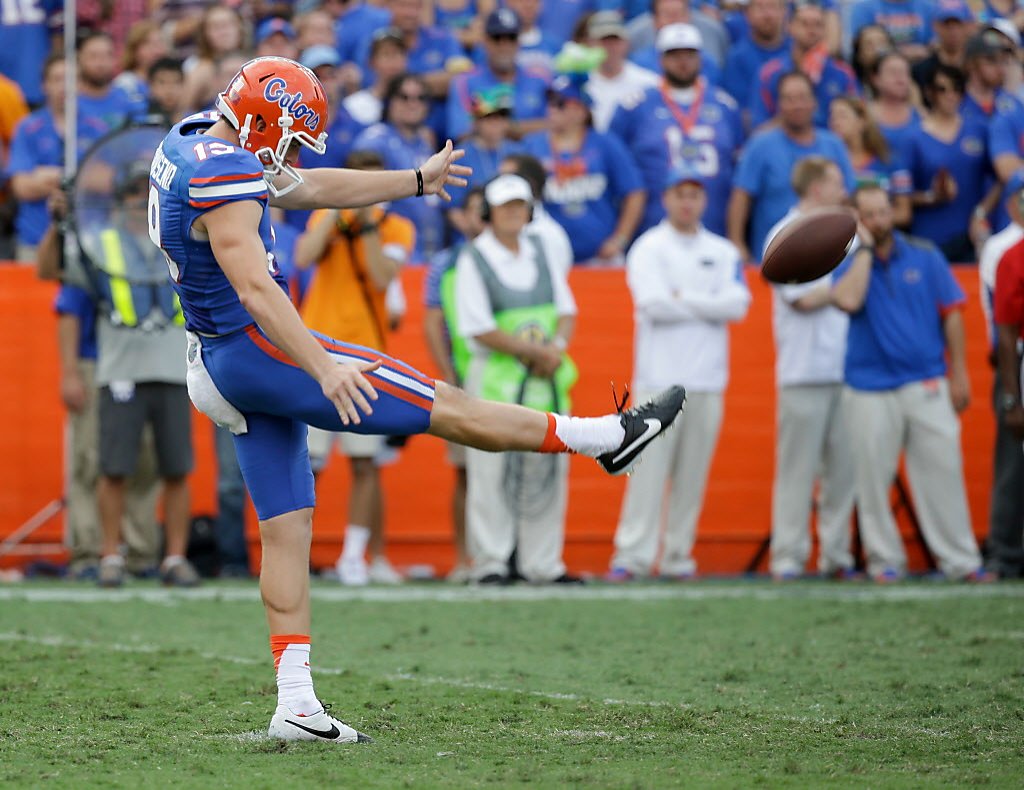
620,405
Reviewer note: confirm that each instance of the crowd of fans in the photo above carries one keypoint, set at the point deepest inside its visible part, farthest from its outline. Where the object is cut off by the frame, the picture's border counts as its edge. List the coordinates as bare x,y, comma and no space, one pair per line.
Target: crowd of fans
923,98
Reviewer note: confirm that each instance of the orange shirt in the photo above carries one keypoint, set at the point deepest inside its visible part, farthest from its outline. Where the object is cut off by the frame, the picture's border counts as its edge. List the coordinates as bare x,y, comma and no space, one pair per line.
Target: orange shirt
342,300
12,110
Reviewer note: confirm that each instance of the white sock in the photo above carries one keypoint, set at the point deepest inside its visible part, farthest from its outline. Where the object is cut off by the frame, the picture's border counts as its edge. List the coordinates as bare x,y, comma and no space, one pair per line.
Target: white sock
295,682
356,540
592,436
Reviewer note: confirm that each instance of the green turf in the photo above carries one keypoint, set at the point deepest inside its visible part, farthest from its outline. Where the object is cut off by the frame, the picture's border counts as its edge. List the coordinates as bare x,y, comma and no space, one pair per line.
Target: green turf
716,684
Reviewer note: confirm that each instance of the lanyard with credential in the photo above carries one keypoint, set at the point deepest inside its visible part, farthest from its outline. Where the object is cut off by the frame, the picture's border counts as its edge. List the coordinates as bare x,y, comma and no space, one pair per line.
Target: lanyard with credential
686,119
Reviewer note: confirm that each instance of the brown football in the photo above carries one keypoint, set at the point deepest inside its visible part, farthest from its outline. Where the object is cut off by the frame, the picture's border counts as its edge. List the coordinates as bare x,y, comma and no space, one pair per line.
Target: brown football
810,246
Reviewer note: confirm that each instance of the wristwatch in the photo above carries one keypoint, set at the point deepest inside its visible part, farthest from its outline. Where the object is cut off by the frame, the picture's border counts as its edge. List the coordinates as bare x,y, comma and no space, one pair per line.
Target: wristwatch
1008,402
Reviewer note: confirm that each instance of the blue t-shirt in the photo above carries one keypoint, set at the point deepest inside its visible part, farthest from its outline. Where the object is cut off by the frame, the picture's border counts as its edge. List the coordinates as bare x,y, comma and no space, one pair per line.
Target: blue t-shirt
585,189
1005,102
897,337
893,176
558,17
765,171
355,28
112,109
743,66
908,21
455,18
72,300
400,153
650,59
484,162
434,47
529,103
837,79
193,175
899,137
36,143
658,142
966,159
25,43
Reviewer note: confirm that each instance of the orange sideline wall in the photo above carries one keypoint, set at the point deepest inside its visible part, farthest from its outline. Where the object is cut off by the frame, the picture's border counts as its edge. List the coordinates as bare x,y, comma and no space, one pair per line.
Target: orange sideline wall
735,519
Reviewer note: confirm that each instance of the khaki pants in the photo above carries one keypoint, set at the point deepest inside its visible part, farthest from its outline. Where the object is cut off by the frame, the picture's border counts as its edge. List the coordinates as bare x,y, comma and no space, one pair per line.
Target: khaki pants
679,460
919,419
82,525
811,443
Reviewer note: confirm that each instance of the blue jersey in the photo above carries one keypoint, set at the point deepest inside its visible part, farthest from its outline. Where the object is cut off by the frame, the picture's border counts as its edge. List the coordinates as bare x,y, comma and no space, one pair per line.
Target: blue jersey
72,300
111,109
401,153
585,188
896,338
37,143
966,160
837,79
355,28
484,162
908,21
743,66
529,103
1005,103
765,173
24,45
892,176
899,137
557,19
653,133
191,175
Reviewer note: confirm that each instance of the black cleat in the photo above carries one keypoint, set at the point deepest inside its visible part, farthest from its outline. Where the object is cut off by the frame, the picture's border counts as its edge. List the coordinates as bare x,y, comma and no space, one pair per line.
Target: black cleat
642,424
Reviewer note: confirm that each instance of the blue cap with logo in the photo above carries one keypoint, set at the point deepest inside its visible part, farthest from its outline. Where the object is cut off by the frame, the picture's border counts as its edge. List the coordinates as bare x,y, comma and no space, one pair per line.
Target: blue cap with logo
571,87
953,9
272,26
502,22
684,172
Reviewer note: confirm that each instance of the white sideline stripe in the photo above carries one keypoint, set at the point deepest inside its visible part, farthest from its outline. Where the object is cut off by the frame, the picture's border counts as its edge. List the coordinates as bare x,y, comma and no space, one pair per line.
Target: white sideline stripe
141,647
227,190
851,592
387,373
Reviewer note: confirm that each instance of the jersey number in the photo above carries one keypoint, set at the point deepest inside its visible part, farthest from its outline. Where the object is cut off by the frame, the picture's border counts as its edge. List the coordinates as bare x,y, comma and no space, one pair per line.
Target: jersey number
154,231
695,149
21,12
214,149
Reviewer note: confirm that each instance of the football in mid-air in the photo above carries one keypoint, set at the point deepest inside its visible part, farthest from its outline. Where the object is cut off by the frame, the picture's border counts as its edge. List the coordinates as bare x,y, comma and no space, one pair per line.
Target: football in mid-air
810,246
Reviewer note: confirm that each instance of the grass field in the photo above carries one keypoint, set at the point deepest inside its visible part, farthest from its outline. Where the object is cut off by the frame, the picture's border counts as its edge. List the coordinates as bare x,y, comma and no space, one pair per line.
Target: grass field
729,684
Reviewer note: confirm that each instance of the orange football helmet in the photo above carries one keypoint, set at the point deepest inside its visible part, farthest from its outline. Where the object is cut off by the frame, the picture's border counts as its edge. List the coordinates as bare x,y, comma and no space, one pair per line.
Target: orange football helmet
273,103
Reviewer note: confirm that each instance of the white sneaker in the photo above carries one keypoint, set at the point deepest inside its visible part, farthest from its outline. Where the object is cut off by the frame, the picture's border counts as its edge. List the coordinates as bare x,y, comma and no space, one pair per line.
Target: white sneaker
320,726
383,572
352,572
460,574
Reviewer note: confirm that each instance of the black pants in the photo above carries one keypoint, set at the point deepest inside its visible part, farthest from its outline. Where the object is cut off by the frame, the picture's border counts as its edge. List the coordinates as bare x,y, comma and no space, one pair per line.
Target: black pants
1005,542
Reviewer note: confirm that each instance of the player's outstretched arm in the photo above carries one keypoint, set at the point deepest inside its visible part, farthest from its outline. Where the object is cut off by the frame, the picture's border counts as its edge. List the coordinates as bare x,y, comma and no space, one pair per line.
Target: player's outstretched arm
234,235
333,187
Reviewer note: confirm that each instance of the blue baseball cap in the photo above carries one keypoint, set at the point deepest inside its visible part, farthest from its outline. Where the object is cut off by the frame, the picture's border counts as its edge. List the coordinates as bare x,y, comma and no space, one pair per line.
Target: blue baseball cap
319,55
1015,184
272,26
571,87
502,22
953,9
685,172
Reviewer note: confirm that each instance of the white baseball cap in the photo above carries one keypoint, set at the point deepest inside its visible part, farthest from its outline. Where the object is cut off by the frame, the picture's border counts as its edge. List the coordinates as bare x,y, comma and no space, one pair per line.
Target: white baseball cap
504,189
679,36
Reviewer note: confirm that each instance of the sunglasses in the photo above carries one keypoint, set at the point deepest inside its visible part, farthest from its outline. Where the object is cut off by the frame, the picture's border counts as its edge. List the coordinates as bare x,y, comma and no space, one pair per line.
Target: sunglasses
411,97
504,37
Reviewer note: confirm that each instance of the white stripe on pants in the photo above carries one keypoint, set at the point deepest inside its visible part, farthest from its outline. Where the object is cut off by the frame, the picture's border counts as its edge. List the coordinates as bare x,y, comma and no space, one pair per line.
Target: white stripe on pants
493,530
811,442
681,460
919,418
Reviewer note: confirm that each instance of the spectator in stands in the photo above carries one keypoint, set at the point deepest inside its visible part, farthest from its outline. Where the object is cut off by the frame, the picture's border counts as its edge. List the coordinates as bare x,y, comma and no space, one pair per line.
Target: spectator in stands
559,19
684,118
905,317
98,98
486,146
144,47
763,190
594,189
616,77
687,285
227,67
275,37
221,32
953,24
811,432
37,156
644,28
767,40
537,49
553,238
501,46
24,46
404,142
315,28
13,109
894,107
388,58
870,157
948,162
994,10
1005,543
809,54
987,55
180,20
357,253
871,43
464,18
517,313
451,355
75,306
355,22
906,20
165,89
342,127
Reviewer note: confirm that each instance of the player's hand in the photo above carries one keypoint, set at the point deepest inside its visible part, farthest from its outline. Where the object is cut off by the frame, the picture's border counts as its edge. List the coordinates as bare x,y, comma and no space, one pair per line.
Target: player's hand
441,171
73,392
348,389
1014,421
959,390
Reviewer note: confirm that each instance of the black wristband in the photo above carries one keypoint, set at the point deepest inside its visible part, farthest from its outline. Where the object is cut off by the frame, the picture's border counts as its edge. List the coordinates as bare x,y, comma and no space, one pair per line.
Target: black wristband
368,228
419,183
